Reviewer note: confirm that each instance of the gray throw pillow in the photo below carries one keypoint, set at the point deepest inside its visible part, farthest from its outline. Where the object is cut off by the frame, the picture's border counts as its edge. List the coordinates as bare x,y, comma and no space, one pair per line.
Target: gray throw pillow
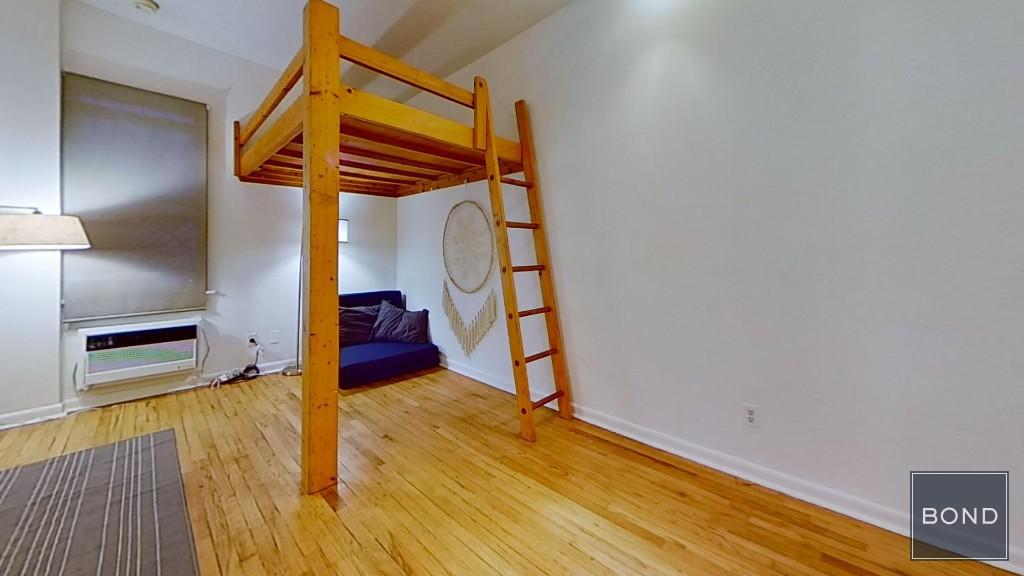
397,325
356,323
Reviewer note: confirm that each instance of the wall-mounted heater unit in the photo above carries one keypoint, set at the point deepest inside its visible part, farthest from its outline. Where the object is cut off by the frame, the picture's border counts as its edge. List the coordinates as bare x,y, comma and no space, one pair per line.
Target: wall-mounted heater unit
113,354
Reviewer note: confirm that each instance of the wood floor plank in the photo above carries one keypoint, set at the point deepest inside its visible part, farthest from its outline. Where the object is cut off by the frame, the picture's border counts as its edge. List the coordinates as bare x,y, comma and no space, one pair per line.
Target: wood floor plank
434,480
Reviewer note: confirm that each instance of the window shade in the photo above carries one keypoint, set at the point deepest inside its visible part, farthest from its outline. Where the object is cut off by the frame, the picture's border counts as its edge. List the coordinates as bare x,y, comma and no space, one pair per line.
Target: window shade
134,171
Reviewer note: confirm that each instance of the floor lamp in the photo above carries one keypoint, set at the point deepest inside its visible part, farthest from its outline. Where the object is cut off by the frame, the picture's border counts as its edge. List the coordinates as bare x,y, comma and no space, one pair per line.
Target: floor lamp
296,369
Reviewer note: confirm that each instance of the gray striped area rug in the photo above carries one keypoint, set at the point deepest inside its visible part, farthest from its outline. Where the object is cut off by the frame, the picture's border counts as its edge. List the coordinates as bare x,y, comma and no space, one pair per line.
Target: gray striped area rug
117,509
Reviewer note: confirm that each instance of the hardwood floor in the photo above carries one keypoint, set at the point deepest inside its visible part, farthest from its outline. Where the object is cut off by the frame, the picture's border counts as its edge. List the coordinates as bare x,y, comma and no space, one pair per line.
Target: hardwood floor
434,480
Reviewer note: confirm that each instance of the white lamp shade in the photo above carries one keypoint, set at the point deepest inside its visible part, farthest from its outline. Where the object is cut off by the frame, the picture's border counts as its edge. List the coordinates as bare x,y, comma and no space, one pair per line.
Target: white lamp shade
342,231
42,232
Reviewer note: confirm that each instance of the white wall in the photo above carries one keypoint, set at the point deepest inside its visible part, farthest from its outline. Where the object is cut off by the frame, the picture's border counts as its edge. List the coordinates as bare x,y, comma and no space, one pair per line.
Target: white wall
812,206
30,145
367,262
254,230
421,275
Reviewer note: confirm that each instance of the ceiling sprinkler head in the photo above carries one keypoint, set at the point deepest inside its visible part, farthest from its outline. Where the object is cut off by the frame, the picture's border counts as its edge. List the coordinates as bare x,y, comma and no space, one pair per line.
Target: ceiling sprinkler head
147,6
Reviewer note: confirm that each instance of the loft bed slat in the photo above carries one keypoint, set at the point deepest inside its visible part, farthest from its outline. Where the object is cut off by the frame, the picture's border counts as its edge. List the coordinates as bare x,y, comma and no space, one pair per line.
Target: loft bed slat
351,173
384,161
409,158
467,177
401,147
259,179
292,177
373,179
368,193
380,158
372,190
354,188
295,171
284,162
348,170
381,169
359,108
403,142
363,185
283,175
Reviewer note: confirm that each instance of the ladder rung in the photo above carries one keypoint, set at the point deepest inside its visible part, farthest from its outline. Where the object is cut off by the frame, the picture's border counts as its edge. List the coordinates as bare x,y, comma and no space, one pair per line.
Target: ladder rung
547,399
529,225
540,355
515,182
533,268
533,311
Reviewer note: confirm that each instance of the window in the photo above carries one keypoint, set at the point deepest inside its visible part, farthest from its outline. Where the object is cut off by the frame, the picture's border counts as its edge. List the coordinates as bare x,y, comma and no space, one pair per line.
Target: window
134,171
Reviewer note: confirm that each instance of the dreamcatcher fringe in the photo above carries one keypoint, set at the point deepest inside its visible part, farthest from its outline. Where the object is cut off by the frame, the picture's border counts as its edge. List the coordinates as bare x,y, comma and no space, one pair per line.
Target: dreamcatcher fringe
470,336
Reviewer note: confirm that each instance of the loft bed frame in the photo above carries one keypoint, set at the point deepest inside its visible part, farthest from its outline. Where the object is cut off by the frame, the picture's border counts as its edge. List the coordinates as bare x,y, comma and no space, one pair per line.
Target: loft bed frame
333,138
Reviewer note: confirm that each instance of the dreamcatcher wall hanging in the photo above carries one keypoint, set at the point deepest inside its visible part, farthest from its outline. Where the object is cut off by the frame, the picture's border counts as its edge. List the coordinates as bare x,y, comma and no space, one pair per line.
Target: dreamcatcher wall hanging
468,252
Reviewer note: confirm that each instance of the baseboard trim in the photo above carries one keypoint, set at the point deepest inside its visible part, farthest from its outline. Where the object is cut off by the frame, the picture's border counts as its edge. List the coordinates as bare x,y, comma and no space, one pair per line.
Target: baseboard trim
31,416
846,504
482,377
843,503
492,380
80,403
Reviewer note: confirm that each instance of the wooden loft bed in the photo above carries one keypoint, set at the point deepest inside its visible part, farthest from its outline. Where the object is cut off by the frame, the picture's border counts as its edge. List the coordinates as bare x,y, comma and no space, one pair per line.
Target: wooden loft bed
386,149
333,138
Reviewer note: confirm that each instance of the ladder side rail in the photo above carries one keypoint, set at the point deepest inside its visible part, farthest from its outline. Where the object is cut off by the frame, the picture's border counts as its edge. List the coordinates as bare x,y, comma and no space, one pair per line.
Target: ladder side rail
508,285
540,241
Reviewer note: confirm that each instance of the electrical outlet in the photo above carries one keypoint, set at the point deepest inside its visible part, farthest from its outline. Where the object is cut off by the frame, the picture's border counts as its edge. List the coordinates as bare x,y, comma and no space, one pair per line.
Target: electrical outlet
250,338
752,415
275,336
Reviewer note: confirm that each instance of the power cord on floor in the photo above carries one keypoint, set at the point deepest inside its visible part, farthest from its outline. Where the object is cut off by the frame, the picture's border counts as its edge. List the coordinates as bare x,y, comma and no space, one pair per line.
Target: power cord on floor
248,373
206,342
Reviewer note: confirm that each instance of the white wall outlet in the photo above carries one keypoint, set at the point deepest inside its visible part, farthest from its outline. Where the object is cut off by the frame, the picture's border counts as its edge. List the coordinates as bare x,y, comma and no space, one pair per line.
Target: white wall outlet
752,415
275,336
250,337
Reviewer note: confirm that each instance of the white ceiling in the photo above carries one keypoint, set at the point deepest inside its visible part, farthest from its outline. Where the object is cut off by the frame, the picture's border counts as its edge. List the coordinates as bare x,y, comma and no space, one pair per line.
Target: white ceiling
440,36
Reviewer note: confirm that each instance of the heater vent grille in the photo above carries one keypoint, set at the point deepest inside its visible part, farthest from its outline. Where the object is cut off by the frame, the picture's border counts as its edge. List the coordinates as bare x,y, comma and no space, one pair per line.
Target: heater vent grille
136,356
120,353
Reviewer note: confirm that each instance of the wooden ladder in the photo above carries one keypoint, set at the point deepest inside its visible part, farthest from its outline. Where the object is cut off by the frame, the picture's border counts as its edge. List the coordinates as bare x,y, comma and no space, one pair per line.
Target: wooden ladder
485,140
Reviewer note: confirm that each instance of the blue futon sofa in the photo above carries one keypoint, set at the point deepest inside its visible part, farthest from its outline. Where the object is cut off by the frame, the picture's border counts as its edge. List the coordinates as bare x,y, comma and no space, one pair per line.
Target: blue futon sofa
371,361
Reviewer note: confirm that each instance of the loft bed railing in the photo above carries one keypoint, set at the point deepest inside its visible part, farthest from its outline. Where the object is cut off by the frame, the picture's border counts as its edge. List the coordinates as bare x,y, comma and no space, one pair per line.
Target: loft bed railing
388,148
333,138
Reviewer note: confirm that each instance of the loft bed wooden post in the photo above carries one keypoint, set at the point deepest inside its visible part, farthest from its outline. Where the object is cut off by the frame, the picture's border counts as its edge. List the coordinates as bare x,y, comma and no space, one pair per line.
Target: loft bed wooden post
321,142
